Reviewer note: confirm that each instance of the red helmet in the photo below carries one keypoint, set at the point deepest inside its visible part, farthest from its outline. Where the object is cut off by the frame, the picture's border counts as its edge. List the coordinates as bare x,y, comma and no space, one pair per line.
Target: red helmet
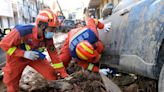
85,51
47,16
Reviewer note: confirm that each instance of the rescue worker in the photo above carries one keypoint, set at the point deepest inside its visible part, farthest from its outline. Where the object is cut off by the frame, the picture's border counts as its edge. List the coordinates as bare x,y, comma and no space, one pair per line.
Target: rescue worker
23,46
84,46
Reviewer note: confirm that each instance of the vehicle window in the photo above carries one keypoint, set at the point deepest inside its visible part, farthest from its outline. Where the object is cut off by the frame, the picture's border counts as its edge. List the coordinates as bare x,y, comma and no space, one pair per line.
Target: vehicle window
123,4
61,17
69,22
83,23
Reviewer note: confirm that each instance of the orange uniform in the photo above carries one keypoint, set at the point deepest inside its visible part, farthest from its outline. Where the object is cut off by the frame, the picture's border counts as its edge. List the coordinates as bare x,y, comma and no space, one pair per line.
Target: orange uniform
75,36
22,39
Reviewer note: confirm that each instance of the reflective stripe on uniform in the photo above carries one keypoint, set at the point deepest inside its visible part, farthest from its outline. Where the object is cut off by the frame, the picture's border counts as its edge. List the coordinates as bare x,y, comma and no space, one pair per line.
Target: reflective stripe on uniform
27,47
48,13
96,21
86,48
11,50
41,49
58,65
81,55
90,66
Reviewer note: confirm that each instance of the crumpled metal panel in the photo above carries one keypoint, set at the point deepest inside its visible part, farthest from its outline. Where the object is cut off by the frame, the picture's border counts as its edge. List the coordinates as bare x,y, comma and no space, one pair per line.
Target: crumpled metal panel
143,30
137,31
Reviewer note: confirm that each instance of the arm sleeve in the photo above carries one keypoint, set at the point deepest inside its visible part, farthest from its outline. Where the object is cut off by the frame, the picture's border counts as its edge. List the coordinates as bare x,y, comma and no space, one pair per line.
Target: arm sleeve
10,43
52,51
94,23
100,25
65,56
99,47
88,66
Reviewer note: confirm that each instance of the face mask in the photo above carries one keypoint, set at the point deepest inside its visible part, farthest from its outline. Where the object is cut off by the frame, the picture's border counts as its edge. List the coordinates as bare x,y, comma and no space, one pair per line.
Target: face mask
49,35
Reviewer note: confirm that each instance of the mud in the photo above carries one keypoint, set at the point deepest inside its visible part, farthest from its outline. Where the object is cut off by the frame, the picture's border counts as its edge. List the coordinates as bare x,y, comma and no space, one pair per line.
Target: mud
82,81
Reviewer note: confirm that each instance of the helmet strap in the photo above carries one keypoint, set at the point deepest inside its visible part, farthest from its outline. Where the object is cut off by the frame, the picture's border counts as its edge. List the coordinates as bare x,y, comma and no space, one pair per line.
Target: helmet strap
44,28
44,24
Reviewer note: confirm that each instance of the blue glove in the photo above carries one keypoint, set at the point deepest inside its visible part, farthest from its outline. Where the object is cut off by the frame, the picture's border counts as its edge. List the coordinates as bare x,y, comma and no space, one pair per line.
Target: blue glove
41,55
31,55
112,71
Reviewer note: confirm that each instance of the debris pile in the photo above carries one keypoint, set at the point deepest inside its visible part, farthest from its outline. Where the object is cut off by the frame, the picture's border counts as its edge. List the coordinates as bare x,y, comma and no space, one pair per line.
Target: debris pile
129,83
82,81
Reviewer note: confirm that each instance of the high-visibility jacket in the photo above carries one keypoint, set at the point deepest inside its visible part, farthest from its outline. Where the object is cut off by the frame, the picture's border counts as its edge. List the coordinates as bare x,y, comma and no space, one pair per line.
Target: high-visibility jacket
88,33
23,38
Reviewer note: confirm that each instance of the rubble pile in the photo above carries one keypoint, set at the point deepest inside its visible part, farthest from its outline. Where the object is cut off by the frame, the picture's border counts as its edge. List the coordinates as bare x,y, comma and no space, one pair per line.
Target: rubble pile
31,81
79,81
73,67
82,81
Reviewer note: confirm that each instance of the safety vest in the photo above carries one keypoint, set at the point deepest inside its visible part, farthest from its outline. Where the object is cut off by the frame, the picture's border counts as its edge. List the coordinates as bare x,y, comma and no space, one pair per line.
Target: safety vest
23,31
83,34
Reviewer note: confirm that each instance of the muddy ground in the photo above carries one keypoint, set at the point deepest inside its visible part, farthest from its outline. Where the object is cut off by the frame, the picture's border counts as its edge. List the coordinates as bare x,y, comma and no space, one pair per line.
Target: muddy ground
83,81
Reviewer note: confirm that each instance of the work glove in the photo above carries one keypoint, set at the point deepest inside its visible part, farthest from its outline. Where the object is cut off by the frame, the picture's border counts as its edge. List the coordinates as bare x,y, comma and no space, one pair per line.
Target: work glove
41,55
108,27
107,71
104,71
31,55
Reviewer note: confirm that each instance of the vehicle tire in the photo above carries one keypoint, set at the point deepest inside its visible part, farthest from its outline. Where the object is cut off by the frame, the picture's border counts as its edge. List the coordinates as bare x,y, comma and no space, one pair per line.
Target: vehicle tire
160,64
161,81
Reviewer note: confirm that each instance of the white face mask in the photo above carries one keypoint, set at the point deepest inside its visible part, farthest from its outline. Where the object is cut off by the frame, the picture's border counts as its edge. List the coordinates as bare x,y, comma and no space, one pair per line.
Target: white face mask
49,35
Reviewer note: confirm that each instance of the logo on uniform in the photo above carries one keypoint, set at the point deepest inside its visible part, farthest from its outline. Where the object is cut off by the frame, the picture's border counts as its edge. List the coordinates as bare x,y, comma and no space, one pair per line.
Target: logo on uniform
52,48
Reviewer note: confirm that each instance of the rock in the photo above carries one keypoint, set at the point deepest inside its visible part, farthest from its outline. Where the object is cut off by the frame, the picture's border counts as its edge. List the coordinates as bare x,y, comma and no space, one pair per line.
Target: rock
32,80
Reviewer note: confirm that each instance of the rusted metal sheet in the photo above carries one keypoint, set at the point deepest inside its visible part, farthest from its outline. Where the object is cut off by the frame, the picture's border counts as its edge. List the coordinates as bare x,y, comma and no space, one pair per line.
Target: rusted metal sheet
136,36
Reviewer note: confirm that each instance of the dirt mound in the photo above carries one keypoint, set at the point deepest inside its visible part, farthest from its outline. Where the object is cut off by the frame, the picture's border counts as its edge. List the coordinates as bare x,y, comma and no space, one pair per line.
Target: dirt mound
82,81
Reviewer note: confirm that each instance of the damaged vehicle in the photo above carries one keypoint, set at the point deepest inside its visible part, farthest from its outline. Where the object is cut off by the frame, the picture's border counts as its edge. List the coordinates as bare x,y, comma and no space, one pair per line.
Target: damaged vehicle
135,42
67,25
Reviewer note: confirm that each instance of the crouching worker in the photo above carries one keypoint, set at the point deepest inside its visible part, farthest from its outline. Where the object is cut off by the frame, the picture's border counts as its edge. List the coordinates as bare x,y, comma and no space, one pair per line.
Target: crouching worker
24,45
84,46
